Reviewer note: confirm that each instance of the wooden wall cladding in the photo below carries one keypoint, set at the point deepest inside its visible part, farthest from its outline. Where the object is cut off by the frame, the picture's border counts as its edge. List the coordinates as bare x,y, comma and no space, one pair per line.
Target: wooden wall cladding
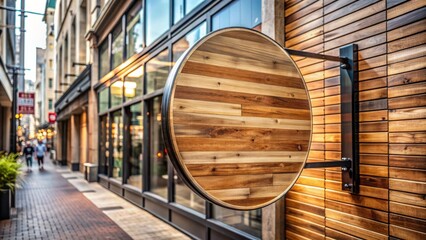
392,91
239,119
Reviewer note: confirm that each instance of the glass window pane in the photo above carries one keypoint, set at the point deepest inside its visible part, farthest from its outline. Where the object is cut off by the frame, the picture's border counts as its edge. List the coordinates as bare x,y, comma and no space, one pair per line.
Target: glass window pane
177,11
247,221
133,84
104,145
157,71
186,197
134,30
158,159
189,40
103,59
103,100
135,144
116,93
240,13
157,19
191,4
117,145
117,46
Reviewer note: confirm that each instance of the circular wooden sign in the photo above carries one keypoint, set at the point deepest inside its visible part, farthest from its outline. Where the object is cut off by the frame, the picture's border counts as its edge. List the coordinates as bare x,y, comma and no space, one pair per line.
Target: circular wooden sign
237,119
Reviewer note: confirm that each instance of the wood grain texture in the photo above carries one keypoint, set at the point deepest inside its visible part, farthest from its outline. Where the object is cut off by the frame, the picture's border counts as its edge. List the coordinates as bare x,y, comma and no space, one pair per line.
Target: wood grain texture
391,41
240,119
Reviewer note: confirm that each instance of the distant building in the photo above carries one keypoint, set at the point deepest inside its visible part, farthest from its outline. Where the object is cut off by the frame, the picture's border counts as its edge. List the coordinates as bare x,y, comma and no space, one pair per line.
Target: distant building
72,82
40,112
7,57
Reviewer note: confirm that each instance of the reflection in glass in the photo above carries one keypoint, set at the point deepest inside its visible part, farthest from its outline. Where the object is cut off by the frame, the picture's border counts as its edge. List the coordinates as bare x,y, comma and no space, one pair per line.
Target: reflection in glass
158,158
247,221
117,46
135,145
117,145
157,19
181,8
189,40
103,100
103,59
186,197
135,30
116,93
240,13
104,145
178,11
184,194
157,71
133,84
191,4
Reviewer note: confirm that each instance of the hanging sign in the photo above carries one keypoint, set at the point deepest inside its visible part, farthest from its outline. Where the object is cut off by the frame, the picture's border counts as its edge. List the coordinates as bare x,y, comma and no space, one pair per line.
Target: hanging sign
26,103
52,117
237,119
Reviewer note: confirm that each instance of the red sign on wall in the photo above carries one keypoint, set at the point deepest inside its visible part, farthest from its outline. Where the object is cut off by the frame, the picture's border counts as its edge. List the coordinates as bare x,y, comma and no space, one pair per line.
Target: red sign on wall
52,117
26,103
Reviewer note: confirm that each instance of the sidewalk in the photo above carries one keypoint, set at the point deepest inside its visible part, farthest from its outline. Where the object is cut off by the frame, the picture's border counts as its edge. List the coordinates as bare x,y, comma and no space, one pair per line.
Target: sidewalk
59,204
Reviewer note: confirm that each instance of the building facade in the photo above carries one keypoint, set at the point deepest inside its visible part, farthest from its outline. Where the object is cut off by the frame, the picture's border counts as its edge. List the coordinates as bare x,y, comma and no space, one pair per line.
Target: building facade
72,79
7,58
40,110
132,46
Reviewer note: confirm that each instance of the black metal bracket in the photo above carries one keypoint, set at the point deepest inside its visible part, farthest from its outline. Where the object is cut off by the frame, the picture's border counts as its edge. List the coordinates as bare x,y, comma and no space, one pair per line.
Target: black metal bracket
349,163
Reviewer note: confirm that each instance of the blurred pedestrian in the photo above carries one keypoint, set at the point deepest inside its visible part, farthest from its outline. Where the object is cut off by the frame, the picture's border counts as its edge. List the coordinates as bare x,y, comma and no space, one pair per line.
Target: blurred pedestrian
40,149
28,154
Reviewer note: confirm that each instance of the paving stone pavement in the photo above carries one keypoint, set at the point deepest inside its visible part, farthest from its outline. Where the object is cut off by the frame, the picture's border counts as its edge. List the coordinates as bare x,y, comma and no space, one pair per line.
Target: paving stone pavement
59,204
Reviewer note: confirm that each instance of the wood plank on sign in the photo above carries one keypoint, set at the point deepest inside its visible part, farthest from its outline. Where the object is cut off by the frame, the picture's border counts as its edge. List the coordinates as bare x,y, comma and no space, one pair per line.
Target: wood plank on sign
238,98
245,168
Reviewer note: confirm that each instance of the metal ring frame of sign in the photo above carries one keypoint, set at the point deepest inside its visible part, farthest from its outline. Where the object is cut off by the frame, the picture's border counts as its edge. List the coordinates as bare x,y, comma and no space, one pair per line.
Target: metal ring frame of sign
237,120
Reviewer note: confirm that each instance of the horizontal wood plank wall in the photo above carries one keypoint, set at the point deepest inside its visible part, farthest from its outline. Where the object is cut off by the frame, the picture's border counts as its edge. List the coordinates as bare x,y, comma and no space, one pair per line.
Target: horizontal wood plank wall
305,205
406,59
391,38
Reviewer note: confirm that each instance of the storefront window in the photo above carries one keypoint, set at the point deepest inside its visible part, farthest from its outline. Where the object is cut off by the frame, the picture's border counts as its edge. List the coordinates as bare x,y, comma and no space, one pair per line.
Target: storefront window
117,145
158,158
117,46
186,197
103,100
103,145
157,71
247,221
189,40
133,84
240,13
135,30
116,93
184,194
103,59
191,4
178,11
183,7
135,145
157,19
